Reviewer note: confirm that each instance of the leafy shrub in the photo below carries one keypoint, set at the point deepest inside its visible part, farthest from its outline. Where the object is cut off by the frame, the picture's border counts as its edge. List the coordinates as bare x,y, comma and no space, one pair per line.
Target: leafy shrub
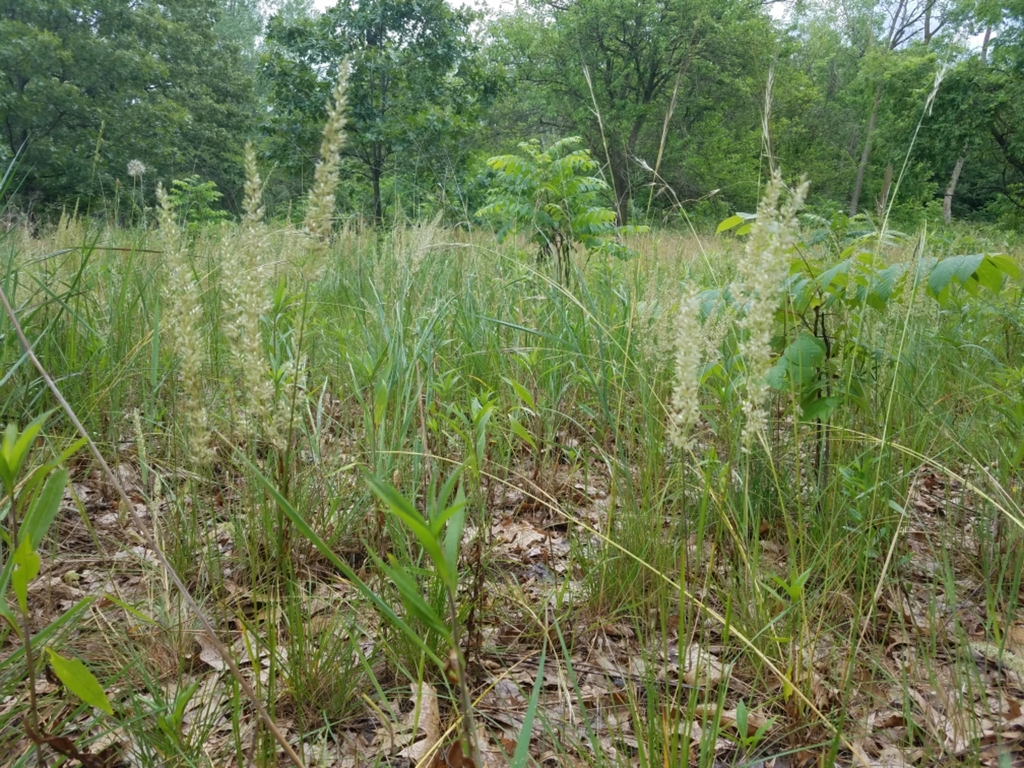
552,195
195,200
835,279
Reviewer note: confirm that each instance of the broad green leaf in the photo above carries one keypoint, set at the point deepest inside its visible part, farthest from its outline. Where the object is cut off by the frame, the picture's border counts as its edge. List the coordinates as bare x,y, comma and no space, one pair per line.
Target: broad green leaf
413,520
44,508
522,392
412,598
729,223
40,473
480,418
1006,265
15,448
777,376
7,476
24,443
967,266
815,408
741,719
959,268
522,433
80,681
448,488
453,536
436,526
884,286
804,355
989,276
380,402
834,277
26,568
171,723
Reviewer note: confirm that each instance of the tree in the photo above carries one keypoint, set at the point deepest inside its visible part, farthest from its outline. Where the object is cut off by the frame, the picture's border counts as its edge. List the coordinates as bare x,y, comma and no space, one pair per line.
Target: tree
550,195
88,85
891,27
650,80
412,86
1007,124
241,24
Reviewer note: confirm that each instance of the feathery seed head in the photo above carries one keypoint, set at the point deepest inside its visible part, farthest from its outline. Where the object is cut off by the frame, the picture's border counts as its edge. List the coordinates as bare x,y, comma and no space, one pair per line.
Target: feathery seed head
165,216
136,169
685,404
183,327
253,188
760,288
320,209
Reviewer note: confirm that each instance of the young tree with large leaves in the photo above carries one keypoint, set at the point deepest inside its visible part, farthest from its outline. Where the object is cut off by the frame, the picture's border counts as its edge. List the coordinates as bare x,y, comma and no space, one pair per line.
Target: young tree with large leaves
414,85
674,84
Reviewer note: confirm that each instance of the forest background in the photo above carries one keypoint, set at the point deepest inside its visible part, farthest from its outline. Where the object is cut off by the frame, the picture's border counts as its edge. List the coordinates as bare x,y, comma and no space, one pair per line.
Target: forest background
669,96
369,485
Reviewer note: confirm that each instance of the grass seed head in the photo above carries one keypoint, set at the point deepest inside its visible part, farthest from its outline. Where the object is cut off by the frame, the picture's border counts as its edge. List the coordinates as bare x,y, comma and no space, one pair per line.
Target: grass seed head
760,288
320,209
183,328
253,188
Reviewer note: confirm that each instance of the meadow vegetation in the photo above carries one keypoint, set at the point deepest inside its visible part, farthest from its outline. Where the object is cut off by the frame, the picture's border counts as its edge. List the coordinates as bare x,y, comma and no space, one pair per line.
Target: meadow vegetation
364,443
737,499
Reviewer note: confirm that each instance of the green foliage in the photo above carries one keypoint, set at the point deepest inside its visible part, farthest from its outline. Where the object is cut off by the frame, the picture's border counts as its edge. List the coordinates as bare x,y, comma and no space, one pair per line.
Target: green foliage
32,501
422,357
23,563
26,567
414,92
90,85
439,534
834,284
80,681
700,66
194,201
551,195
748,737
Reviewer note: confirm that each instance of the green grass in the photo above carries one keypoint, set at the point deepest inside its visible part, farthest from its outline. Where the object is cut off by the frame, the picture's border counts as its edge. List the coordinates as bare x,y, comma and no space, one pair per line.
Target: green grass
826,591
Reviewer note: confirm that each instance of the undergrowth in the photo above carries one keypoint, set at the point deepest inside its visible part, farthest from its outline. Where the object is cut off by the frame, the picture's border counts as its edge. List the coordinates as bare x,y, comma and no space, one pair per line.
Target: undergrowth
436,497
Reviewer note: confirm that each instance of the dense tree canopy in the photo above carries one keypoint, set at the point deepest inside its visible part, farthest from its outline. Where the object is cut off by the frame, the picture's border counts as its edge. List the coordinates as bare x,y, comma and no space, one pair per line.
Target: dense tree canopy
684,103
88,85
412,90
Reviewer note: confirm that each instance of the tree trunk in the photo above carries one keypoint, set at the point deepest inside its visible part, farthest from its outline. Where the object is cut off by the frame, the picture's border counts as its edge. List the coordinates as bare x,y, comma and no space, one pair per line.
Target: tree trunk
620,176
858,185
378,207
984,45
947,200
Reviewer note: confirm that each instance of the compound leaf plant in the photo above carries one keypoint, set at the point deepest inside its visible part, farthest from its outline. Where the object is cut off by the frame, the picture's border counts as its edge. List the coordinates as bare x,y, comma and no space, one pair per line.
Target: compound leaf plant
835,279
552,195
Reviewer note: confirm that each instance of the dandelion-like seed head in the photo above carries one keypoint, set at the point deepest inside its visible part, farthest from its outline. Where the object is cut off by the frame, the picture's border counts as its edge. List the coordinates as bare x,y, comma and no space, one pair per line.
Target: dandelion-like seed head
136,169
